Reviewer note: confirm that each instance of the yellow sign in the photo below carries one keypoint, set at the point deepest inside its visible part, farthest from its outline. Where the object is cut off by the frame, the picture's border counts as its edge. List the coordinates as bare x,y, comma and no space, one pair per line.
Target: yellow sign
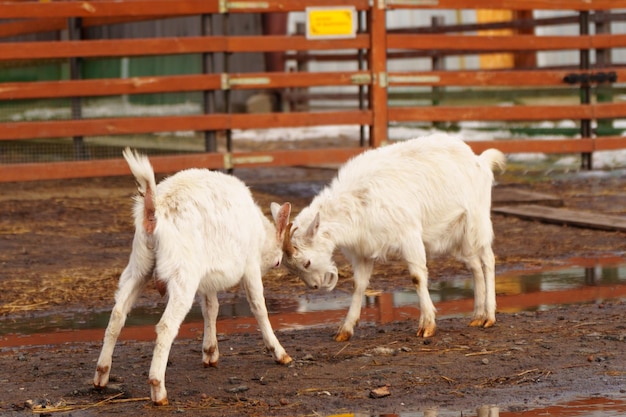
330,22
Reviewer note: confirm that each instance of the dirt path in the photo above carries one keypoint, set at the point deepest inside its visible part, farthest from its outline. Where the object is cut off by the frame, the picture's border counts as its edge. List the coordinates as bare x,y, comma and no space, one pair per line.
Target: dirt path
64,244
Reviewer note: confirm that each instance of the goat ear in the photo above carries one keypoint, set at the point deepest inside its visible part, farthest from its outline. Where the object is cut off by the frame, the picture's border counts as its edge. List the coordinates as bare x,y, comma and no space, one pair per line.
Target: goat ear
281,216
312,229
275,208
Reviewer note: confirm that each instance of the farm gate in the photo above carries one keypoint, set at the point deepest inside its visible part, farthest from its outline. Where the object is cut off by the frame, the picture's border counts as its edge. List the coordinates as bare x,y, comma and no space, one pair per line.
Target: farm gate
74,35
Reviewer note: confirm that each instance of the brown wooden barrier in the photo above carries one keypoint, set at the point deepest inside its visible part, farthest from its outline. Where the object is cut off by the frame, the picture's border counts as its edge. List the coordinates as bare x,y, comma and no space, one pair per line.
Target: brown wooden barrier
376,43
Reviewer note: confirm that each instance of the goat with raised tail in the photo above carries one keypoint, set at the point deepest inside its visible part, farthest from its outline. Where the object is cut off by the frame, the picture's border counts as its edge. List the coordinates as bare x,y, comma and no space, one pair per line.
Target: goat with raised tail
201,232
427,195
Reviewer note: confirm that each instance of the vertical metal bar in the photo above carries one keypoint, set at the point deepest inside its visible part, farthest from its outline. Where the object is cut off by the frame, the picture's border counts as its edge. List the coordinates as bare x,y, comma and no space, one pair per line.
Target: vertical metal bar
361,65
585,124
227,93
208,96
438,64
74,25
604,91
377,26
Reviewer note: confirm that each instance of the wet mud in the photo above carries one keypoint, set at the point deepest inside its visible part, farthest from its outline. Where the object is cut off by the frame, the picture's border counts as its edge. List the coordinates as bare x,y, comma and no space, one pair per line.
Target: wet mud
557,346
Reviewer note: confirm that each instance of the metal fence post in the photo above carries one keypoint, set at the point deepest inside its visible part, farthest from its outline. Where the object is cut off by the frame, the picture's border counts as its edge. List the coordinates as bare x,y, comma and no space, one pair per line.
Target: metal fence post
585,124
208,96
75,33
604,91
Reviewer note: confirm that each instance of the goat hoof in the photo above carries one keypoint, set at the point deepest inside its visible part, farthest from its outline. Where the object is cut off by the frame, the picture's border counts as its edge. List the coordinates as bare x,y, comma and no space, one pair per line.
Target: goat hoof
485,323
285,360
425,332
489,323
343,336
210,364
477,323
161,403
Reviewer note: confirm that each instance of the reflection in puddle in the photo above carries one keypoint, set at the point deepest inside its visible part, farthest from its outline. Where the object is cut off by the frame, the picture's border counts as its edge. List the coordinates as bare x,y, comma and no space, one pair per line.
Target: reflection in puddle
588,407
588,282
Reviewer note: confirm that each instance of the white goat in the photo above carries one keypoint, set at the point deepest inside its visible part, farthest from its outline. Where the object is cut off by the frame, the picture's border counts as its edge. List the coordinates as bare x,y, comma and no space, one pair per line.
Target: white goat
426,195
197,231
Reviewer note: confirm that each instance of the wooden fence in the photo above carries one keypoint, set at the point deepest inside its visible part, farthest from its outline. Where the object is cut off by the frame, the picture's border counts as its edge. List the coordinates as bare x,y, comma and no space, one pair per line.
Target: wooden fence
373,41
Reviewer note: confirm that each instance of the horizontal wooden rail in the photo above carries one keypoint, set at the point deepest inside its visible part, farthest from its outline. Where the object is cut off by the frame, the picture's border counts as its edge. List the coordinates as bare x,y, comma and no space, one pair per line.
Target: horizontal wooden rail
112,8
509,4
535,145
552,145
516,78
483,43
137,125
508,113
175,83
240,81
490,113
171,46
609,110
162,164
198,44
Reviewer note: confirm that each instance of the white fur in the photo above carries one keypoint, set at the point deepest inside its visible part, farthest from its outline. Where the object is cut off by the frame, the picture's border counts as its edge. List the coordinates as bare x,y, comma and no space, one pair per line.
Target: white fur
427,195
209,235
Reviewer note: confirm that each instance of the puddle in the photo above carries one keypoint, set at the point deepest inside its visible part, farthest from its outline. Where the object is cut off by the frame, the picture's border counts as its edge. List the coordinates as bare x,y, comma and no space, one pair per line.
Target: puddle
585,281
588,407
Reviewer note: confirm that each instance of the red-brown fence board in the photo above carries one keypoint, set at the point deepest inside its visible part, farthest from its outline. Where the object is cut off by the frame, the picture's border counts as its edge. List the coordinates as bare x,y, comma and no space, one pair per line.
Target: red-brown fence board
78,169
491,113
137,125
510,4
174,83
113,8
509,78
170,46
483,43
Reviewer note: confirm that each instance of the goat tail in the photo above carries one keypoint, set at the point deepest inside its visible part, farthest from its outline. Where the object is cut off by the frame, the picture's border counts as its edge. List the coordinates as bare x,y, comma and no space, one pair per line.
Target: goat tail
493,159
144,174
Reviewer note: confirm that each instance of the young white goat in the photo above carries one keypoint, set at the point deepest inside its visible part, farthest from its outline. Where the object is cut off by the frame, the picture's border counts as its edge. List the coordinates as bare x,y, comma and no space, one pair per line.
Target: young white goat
427,195
196,232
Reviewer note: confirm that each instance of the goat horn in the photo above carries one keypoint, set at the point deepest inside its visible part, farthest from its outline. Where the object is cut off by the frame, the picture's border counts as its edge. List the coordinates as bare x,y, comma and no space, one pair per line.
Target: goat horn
287,246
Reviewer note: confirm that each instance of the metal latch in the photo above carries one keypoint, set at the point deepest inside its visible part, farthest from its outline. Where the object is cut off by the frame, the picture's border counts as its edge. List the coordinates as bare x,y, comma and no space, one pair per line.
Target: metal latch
361,79
227,81
414,79
230,161
225,5
590,78
413,2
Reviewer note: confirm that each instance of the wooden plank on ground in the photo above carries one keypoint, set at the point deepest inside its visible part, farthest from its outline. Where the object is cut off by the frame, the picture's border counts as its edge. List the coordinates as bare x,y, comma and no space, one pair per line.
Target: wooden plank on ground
565,216
501,196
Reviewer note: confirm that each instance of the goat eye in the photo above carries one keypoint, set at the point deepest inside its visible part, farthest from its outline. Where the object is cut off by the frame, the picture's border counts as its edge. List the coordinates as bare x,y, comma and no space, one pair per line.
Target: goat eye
307,264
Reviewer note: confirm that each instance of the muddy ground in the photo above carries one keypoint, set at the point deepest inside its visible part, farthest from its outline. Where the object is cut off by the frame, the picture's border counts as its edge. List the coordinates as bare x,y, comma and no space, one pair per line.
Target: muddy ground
64,244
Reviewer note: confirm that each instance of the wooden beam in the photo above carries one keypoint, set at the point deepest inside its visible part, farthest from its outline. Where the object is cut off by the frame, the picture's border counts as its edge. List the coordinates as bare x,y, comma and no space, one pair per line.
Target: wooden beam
175,83
591,220
28,26
112,8
513,78
508,113
169,164
535,146
510,4
136,125
172,46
